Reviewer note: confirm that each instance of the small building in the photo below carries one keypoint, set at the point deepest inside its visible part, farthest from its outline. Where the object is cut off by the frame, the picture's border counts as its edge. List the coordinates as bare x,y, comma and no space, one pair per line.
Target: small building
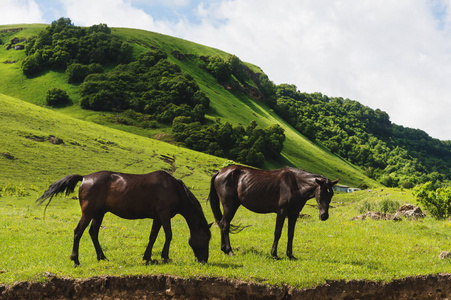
345,189
341,188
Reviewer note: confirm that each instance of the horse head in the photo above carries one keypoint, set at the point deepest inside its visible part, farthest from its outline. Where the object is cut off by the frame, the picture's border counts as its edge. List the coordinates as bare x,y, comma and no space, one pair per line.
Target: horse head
199,241
323,195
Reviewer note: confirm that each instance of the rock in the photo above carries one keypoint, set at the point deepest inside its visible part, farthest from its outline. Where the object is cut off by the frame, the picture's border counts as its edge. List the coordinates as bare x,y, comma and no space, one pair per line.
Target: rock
445,254
410,211
376,216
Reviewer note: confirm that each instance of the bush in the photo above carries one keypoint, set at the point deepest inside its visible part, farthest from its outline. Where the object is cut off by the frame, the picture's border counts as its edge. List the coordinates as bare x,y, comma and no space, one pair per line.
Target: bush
13,190
384,206
437,202
388,206
57,97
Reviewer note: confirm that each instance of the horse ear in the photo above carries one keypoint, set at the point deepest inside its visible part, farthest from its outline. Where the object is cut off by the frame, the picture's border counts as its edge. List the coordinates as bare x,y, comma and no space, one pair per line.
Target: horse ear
335,181
320,181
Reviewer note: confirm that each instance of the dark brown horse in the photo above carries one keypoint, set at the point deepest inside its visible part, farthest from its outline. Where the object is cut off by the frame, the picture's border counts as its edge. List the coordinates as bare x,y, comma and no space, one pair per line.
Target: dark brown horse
156,195
283,191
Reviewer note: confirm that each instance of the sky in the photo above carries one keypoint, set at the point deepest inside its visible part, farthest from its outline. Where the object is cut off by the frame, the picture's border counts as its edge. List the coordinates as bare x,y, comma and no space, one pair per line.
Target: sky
389,55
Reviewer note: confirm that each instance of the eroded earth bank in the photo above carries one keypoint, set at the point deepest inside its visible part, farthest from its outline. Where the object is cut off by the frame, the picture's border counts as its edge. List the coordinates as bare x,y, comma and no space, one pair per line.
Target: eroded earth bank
169,287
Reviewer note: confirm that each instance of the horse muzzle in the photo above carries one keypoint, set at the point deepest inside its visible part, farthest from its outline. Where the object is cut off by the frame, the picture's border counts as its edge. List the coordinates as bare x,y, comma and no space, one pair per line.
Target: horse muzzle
324,216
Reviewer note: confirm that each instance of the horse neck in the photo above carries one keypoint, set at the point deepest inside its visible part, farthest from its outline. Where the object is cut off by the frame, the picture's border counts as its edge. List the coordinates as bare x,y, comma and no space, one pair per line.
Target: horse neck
309,186
193,217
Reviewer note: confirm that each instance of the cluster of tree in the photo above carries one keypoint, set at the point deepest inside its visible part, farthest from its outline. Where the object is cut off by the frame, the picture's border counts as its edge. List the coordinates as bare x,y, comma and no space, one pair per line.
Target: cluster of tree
391,154
57,97
62,44
437,200
232,72
150,85
249,145
76,72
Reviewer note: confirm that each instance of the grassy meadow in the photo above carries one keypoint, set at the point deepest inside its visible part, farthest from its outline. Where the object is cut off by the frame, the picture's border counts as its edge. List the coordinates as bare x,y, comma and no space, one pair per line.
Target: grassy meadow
337,249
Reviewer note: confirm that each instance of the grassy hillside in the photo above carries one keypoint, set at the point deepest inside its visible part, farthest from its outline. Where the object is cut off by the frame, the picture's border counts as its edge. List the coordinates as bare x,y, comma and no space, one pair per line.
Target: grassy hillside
28,156
231,107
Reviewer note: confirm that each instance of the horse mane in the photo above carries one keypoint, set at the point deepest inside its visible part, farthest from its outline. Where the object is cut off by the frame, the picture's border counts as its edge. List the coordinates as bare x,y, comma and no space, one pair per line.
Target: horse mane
193,200
303,173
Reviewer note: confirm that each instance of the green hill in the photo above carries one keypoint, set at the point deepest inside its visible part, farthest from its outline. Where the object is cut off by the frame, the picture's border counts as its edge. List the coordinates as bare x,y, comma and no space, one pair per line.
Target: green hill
39,146
236,108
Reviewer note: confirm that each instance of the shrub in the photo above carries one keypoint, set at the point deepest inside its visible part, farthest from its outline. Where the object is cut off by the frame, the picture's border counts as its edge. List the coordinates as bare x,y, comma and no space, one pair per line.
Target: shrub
13,190
388,206
57,97
384,206
437,202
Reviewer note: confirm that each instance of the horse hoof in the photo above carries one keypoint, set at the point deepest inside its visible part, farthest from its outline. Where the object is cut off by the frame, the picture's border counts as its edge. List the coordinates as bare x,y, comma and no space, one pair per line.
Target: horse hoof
292,257
151,262
167,260
275,257
231,253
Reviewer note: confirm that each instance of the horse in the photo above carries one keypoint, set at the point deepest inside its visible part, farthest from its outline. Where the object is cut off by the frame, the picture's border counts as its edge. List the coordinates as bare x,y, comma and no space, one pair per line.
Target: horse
157,195
283,191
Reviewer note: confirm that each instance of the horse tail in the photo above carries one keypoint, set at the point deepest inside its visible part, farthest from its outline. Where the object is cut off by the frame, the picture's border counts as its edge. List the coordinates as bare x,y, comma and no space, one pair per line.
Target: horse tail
67,184
214,200
214,203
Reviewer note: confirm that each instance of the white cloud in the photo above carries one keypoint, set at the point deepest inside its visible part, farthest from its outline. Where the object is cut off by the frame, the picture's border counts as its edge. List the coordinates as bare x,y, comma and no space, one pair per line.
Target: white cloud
114,13
20,11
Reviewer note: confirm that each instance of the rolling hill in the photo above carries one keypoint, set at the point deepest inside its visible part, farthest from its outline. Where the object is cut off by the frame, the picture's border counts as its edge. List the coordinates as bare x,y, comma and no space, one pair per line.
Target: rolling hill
230,106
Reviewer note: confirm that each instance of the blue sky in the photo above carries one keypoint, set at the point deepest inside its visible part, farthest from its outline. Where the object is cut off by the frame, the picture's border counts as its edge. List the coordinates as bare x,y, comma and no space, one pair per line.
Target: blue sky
391,55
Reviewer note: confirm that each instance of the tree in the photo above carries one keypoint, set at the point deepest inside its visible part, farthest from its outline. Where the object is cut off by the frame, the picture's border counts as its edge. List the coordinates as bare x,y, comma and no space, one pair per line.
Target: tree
437,202
57,97
76,73
219,68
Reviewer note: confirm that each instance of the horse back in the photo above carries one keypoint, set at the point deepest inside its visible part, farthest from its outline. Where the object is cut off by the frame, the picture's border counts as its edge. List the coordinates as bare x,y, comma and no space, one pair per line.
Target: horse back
130,196
260,191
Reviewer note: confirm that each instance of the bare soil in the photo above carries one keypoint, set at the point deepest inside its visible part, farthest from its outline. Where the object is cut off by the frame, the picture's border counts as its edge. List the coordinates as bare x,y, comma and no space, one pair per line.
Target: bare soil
169,287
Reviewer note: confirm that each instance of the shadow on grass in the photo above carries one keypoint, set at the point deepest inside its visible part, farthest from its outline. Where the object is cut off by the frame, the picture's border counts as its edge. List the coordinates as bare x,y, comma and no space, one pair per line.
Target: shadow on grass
232,266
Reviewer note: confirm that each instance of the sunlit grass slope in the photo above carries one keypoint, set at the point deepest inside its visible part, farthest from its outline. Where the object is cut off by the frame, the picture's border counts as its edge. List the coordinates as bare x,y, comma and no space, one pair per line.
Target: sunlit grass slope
28,156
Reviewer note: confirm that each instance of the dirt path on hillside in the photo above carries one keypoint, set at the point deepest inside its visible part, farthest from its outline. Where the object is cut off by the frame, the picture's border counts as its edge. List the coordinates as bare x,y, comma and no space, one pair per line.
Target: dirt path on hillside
170,287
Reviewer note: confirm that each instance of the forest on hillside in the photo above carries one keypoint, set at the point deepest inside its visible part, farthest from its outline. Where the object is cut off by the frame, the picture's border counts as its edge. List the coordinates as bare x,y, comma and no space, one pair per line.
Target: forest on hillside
150,90
146,91
389,153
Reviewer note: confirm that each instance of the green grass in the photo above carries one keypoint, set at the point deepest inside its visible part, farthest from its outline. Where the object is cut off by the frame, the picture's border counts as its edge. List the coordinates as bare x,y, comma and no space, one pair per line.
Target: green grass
338,249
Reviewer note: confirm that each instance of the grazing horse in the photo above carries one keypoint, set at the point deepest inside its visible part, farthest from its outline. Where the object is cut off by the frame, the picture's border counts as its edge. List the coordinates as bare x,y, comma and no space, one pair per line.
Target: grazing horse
157,195
283,191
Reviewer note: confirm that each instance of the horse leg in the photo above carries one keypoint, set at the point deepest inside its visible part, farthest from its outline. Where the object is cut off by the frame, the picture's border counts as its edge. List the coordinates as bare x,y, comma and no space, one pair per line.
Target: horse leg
229,213
291,224
78,232
277,233
166,222
156,225
94,233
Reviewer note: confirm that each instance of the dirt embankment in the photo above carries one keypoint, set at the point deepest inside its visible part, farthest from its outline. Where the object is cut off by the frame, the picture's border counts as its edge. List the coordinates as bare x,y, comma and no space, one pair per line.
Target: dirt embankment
170,287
